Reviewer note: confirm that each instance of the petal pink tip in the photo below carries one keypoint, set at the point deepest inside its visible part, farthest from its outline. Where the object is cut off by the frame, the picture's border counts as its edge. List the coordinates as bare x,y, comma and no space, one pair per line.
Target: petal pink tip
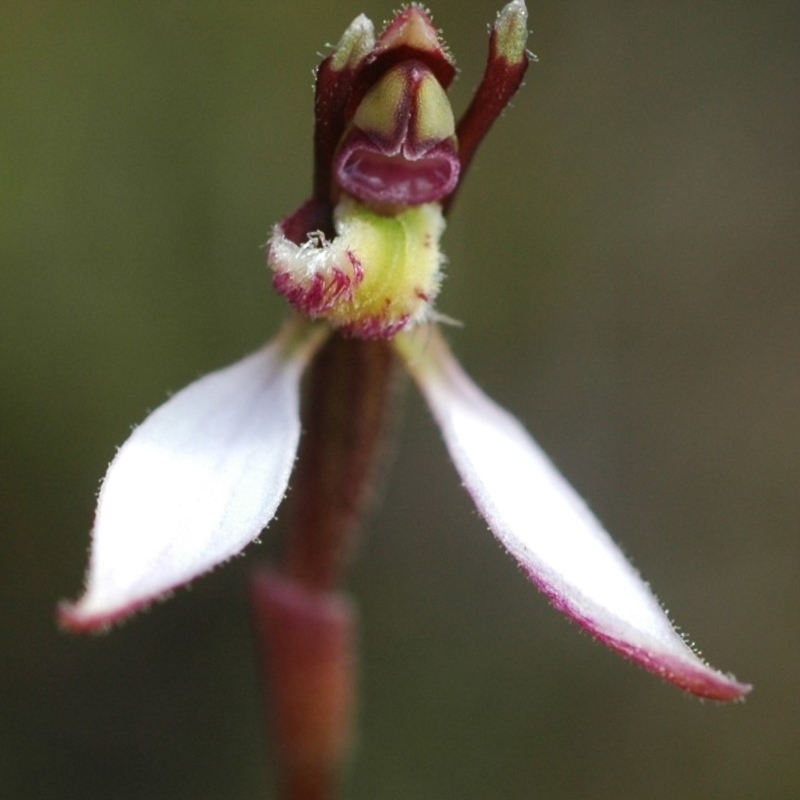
74,619
701,681
682,667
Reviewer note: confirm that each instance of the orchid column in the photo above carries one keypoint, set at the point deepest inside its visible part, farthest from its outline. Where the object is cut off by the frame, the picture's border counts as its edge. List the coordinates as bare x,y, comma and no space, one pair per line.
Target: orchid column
361,264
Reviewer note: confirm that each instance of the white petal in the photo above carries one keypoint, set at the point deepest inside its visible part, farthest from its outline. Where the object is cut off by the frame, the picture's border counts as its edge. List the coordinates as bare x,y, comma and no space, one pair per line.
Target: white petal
196,481
548,528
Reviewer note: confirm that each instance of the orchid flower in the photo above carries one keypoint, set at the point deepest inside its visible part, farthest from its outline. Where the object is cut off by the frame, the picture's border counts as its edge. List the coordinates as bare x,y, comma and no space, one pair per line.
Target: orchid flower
361,262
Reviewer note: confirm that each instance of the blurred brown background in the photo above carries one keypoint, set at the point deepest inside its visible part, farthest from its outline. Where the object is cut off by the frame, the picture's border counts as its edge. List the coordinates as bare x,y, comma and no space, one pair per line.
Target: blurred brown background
625,257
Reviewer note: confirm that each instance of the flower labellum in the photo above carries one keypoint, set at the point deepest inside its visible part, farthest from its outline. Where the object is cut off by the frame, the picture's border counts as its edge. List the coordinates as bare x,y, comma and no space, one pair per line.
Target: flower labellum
360,263
401,147
377,275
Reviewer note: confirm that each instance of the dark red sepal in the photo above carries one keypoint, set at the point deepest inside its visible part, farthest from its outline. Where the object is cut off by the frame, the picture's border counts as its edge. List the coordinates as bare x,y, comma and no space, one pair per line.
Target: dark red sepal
499,84
331,96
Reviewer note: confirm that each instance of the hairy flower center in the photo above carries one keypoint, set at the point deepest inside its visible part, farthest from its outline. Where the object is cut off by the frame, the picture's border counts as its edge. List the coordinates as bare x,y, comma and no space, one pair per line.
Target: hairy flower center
379,275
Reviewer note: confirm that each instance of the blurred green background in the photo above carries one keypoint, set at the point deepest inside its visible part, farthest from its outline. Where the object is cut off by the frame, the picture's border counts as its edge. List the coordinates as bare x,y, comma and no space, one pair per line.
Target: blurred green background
625,259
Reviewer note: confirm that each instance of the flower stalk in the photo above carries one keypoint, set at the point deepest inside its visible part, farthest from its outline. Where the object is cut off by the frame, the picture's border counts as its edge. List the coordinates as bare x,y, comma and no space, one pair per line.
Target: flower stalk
308,650
304,626
348,398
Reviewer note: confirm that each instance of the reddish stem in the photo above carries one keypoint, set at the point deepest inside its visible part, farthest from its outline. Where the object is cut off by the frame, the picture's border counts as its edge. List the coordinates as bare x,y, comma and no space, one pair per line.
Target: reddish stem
347,399
308,658
304,627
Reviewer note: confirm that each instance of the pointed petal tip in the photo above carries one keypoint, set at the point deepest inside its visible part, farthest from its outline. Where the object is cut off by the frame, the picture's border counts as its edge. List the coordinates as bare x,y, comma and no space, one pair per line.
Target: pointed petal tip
92,615
74,618
692,675
674,661
689,673
703,681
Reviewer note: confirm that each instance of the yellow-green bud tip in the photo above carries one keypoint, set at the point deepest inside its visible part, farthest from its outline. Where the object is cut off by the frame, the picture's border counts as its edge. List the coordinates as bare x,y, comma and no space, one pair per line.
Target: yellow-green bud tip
356,42
511,29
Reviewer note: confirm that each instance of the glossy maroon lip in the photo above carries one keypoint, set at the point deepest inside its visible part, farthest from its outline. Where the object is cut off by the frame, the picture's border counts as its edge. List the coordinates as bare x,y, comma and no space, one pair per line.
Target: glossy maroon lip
372,176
